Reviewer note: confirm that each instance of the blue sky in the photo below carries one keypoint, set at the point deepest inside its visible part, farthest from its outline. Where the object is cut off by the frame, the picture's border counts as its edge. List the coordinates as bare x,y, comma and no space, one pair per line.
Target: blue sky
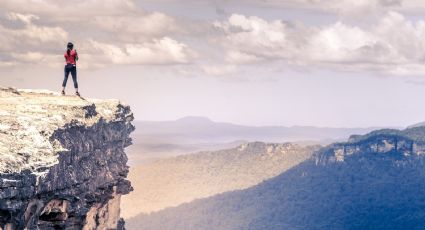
292,62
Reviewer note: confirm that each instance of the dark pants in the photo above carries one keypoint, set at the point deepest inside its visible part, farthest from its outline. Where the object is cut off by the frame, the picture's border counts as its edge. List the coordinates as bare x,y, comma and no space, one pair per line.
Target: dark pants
73,70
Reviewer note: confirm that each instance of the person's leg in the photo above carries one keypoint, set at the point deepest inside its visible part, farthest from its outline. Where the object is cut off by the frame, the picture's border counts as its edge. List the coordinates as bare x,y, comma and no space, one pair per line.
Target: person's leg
74,78
65,79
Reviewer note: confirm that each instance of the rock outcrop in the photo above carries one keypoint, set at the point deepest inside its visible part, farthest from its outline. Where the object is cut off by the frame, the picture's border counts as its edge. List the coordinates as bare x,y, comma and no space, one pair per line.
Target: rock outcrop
62,161
408,142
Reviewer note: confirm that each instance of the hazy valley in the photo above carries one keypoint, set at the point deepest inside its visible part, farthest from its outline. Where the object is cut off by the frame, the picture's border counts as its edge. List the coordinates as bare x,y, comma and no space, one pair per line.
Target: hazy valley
372,181
177,162
173,181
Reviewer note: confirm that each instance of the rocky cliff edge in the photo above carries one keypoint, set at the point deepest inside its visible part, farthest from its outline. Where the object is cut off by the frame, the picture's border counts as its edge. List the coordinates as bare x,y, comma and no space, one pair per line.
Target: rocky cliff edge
62,160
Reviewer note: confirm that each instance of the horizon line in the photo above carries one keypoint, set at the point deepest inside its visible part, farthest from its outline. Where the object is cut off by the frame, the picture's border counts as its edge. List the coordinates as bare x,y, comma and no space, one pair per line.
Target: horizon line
275,125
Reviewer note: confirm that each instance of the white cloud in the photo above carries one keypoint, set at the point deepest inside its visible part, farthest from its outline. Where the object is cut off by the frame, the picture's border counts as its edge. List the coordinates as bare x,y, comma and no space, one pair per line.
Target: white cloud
52,60
341,7
68,9
26,18
159,51
29,34
392,41
404,36
28,57
344,7
340,43
122,33
136,27
118,19
393,45
256,37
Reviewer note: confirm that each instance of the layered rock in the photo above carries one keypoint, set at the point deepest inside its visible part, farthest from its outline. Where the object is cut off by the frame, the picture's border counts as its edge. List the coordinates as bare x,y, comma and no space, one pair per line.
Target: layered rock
62,161
408,142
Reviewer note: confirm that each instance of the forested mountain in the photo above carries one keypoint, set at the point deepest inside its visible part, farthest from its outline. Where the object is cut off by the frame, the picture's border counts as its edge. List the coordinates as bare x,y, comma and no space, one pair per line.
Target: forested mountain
375,181
173,181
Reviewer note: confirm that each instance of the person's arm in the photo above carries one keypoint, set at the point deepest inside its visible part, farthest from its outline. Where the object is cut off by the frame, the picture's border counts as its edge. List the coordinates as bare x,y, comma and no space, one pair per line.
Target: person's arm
76,55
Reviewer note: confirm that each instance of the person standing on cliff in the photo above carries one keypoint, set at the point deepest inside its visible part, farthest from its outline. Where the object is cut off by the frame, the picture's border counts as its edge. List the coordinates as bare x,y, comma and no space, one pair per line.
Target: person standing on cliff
71,58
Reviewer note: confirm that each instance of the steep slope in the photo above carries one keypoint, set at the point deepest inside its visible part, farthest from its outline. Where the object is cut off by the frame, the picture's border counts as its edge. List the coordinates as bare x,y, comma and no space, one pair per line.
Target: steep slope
62,161
170,182
374,181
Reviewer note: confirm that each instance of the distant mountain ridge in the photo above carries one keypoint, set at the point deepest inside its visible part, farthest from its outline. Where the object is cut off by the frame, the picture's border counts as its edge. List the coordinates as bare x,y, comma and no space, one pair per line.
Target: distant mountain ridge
158,139
374,181
204,129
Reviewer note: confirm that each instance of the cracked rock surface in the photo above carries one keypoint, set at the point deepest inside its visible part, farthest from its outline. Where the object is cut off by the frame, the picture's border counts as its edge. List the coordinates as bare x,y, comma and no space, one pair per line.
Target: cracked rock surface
62,160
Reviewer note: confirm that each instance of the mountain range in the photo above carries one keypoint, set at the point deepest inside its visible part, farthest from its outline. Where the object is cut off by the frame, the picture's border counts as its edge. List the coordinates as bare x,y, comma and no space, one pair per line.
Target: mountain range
373,181
158,139
205,130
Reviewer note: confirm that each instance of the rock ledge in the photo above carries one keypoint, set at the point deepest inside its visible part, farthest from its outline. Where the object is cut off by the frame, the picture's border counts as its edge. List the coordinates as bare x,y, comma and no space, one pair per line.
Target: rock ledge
62,160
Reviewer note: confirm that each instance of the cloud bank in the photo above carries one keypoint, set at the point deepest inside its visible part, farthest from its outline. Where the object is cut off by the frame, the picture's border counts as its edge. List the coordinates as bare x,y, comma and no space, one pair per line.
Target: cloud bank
393,45
120,32
105,32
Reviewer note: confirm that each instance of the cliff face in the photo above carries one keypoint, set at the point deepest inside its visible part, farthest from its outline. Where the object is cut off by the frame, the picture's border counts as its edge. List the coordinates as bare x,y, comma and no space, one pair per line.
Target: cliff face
408,142
62,161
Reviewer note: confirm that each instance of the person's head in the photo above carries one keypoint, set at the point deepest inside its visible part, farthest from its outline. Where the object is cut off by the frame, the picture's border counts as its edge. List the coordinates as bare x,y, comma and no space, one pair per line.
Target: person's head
69,48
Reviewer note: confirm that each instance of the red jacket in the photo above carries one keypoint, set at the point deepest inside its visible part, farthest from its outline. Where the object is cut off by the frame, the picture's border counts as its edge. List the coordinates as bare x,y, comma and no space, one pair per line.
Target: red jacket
71,58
